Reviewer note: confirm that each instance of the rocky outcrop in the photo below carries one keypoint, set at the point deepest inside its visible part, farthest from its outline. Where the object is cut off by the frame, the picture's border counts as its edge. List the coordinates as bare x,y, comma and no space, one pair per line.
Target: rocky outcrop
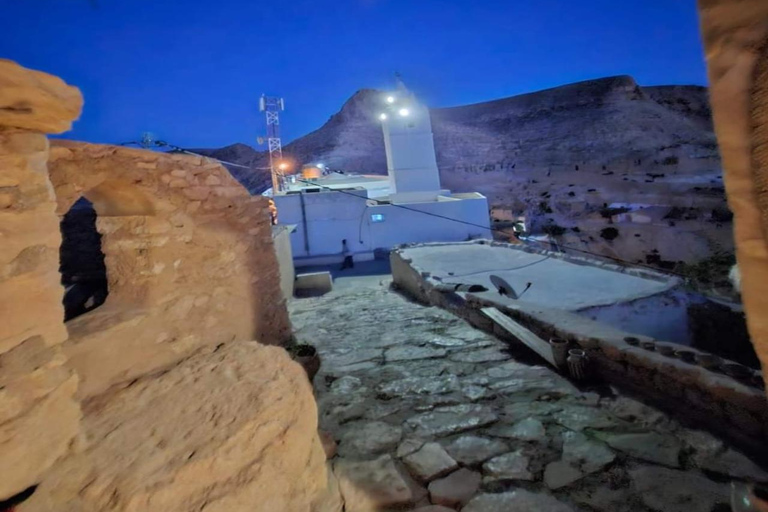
38,415
230,428
611,122
158,400
735,36
36,101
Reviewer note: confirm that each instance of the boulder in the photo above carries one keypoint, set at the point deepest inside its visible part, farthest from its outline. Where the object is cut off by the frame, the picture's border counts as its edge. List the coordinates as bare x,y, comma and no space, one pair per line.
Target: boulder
36,101
233,428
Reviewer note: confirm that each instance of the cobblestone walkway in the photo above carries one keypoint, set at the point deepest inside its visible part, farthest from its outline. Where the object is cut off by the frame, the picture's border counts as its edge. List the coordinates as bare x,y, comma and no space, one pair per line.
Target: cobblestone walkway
428,411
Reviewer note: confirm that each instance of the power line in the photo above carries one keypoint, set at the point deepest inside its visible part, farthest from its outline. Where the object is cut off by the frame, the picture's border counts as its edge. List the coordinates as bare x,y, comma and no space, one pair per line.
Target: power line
437,215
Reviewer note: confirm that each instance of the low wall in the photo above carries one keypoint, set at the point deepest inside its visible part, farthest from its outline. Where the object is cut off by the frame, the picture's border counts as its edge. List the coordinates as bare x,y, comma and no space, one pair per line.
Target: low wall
692,393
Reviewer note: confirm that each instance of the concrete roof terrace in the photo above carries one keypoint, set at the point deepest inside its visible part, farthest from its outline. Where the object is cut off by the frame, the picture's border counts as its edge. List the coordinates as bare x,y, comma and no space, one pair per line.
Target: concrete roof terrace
557,281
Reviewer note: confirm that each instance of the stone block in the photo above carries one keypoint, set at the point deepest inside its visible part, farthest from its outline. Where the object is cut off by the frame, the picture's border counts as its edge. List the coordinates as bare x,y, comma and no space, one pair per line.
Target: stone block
455,489
36,101
429,462
374,485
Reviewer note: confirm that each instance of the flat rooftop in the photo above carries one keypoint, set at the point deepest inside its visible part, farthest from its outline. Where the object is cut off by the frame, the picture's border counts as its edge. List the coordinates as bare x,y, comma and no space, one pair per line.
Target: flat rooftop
377,186
555,281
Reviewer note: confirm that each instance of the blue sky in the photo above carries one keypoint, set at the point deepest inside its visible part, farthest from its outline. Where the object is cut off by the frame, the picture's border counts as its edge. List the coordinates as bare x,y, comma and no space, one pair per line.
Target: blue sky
191,71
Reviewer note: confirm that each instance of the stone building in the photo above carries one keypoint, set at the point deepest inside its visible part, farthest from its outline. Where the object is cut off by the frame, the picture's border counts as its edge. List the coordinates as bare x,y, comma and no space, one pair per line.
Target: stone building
159,399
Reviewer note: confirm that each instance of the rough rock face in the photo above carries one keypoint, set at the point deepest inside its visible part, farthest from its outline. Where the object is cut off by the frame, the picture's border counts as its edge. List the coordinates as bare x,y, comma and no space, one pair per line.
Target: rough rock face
180,411
189,258
38,415
36,101
233,428
735,36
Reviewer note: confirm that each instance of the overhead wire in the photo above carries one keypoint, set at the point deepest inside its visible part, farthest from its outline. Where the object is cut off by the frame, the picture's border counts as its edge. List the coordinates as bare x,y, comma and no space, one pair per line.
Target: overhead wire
436,215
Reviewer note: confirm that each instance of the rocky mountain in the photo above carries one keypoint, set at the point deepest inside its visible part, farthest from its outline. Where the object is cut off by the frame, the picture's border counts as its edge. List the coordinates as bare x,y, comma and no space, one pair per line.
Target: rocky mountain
607,122
561,157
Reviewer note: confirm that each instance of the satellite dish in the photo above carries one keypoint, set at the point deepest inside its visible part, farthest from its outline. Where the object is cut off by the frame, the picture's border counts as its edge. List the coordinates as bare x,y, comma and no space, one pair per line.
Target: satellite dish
503,287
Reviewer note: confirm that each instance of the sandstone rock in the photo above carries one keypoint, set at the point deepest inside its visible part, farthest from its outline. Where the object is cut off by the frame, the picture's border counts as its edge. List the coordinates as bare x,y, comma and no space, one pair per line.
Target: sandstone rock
451,419
434,508
651,446
240,418
456,489
34,441
331,500
677,491
510,466
36,101
370,438
560,474
372,485
471,450
329,444
429,462
516,501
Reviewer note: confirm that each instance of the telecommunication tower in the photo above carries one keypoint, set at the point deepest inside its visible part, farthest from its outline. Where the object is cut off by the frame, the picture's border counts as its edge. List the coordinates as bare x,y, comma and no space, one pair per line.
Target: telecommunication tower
272,107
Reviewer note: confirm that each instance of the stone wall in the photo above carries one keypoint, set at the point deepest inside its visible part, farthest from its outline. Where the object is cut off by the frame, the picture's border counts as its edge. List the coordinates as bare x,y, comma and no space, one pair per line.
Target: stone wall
38,415
735,36
189,255
732,409
158,400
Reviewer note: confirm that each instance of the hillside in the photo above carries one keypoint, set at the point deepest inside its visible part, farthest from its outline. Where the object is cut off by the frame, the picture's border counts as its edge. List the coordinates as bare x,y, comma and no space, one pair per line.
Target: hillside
558,156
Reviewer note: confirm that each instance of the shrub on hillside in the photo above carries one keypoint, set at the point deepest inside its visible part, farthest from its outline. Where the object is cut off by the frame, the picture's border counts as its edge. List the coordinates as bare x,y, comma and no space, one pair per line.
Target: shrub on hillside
609,233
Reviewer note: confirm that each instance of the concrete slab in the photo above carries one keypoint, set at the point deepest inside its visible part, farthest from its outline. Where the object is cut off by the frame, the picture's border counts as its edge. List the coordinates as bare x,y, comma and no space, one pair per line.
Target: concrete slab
556,283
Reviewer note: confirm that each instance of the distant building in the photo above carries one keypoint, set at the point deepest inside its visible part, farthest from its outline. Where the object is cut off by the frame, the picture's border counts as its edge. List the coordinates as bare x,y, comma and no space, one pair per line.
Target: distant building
379,212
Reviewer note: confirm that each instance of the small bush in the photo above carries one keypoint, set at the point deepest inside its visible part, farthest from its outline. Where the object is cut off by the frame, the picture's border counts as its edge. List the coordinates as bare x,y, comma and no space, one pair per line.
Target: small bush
553,230
609,233
670,160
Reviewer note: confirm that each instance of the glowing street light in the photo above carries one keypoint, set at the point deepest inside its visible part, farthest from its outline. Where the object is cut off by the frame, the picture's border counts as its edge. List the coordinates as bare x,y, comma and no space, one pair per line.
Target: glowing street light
390,99
404,112
320,166
282,166
383,117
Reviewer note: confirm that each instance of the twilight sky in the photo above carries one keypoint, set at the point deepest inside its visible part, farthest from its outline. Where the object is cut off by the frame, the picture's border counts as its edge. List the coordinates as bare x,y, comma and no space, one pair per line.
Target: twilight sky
191,71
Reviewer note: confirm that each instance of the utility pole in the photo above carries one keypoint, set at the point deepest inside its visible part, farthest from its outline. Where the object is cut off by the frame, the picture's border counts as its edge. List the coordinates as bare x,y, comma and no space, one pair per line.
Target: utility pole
272,106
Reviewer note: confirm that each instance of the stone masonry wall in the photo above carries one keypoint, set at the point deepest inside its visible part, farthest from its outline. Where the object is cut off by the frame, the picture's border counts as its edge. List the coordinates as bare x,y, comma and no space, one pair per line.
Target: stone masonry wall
36,387
158,400
189,256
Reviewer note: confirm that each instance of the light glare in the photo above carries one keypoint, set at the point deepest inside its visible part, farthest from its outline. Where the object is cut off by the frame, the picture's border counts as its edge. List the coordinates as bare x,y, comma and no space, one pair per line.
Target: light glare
404,112
383,117
390,99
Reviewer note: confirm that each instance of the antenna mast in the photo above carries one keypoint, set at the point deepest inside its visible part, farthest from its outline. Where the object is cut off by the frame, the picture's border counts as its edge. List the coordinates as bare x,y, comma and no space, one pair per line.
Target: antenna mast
272,107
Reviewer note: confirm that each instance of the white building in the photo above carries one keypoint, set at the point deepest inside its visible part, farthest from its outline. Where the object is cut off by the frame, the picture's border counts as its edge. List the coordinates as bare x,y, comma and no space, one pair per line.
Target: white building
379,212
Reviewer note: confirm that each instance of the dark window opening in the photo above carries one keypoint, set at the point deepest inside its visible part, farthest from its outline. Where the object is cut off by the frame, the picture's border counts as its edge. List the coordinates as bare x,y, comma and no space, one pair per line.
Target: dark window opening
82,268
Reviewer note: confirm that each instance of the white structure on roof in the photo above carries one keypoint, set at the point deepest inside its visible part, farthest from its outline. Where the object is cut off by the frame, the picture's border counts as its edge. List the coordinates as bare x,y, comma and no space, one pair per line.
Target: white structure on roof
379,212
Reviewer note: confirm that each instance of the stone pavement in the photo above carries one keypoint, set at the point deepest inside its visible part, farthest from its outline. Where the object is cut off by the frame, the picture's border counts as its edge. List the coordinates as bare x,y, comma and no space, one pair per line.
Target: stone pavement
430,414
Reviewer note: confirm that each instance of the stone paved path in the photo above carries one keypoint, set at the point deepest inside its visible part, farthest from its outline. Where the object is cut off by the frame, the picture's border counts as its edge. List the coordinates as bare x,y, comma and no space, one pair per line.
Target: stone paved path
428,411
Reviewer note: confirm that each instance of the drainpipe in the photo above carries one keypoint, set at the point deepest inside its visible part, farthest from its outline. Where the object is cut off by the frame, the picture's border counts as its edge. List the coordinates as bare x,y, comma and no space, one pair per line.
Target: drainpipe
304,223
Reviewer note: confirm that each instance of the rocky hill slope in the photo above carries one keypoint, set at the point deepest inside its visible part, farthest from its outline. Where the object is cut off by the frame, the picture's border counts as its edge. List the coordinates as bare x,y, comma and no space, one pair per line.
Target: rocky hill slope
559,157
